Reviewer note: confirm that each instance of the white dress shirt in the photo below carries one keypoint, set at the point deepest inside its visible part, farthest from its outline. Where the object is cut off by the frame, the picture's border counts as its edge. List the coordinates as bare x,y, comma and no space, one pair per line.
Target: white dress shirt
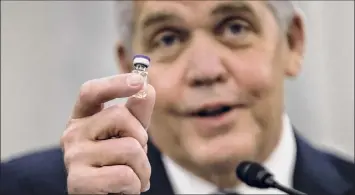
281,163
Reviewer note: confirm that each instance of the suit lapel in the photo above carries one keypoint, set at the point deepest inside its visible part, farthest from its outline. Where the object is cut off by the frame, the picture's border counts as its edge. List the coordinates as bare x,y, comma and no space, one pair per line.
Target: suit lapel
159,181
314,173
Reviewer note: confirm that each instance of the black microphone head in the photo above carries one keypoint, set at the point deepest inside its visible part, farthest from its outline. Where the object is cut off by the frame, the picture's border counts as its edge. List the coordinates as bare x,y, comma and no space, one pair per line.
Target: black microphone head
254,175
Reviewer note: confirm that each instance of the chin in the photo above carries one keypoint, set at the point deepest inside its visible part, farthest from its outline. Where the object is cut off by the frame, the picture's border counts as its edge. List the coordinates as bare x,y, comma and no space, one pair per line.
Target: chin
222,152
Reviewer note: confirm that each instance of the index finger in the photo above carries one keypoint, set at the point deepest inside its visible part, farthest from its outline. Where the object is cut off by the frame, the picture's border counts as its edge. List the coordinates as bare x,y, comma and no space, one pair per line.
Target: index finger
94,93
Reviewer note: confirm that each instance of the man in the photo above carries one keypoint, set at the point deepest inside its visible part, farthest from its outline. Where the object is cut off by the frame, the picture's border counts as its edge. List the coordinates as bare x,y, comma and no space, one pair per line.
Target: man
218,69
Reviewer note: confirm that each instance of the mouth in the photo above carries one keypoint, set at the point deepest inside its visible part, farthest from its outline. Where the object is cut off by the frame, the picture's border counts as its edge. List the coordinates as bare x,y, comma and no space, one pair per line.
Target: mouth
214,118
213,111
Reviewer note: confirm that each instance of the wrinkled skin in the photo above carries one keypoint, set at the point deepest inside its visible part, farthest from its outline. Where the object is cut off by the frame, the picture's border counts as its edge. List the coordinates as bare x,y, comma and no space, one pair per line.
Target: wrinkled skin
212,53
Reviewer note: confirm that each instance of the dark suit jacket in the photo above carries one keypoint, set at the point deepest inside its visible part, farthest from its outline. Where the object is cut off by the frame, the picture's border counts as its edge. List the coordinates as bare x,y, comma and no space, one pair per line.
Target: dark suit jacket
43,173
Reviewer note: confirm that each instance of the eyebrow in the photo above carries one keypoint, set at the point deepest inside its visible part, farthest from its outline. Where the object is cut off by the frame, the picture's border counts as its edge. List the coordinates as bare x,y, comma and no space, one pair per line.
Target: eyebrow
159,17
223,8
232,7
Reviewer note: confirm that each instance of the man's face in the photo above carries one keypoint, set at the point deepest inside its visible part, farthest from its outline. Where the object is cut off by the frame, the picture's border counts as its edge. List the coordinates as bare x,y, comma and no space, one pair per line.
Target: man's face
218,69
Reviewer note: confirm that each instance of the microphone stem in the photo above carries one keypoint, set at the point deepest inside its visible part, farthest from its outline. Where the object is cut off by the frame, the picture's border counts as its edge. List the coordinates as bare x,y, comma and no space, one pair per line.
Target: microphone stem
289,191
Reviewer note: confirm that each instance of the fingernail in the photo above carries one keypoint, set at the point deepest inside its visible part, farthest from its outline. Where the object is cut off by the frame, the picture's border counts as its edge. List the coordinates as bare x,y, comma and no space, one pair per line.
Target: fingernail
134,80
147,187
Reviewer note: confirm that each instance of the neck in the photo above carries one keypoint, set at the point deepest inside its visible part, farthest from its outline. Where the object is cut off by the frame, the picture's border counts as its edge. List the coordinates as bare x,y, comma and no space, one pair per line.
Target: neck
224,176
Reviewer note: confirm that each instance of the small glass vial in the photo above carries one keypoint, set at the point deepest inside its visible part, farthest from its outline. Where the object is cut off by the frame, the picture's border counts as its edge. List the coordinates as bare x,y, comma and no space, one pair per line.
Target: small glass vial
140,66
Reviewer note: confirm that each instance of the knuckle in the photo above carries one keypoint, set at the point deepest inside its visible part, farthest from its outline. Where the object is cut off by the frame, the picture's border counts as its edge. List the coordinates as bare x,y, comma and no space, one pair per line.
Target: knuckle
118,111
128,176
134,148
73,154
121,116
72,189
145,138
146,174
63,139
79,183
147,171
86,90
145,148
142,138
70,133
67,138
118,114
120,179
68,158
72,183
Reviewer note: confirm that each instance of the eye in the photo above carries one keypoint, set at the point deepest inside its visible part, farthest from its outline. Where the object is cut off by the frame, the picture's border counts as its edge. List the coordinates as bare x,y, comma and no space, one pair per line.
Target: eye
233,27
166,39
236,27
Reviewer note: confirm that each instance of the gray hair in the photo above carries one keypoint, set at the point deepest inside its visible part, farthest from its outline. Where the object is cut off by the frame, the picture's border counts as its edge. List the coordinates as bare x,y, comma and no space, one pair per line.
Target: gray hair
283,11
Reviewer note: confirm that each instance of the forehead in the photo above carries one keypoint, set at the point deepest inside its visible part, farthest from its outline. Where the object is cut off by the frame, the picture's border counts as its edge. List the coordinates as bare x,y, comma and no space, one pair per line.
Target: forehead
197,9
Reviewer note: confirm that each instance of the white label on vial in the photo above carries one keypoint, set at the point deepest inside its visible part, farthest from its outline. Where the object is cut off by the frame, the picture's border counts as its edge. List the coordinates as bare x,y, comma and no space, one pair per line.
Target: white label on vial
142,93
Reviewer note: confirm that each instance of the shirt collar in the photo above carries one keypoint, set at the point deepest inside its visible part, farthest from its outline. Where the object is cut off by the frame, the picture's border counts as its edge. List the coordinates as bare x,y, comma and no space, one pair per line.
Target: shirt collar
281,163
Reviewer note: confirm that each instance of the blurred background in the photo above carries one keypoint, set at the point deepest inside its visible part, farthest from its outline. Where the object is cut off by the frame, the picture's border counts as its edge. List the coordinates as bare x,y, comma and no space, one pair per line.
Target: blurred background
49,48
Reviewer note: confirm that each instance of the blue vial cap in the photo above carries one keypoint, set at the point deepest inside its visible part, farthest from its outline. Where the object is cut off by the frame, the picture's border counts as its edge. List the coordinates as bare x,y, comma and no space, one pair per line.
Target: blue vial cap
141,59
141,56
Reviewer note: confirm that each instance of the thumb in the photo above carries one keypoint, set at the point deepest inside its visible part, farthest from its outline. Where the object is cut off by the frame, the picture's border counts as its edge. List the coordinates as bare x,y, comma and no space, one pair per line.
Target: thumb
142,109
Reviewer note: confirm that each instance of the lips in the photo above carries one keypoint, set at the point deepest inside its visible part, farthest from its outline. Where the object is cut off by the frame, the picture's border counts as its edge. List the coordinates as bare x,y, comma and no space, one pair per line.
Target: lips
214,119
213,110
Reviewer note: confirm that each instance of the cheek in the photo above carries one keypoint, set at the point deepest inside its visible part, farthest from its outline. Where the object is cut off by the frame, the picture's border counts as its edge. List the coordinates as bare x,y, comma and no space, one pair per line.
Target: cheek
166,83
254,73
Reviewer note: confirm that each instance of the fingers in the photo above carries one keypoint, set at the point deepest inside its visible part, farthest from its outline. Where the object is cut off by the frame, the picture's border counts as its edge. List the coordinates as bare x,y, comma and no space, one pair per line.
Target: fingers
142,108
115,121
96,92
97,164
126,151
104,180
122,151
87,146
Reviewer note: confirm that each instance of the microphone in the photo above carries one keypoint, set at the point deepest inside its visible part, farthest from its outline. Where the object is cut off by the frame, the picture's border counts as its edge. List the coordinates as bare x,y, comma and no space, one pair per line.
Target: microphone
255,175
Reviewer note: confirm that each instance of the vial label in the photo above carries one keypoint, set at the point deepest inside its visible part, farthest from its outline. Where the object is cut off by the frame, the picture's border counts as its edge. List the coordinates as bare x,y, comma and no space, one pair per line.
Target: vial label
140,66
143,92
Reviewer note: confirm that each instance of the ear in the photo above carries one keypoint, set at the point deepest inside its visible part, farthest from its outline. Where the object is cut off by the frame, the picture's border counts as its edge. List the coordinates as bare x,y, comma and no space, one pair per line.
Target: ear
296,44
123,58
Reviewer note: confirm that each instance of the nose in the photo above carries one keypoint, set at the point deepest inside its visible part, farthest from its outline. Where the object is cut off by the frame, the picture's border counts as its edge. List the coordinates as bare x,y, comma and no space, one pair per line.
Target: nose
205,66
